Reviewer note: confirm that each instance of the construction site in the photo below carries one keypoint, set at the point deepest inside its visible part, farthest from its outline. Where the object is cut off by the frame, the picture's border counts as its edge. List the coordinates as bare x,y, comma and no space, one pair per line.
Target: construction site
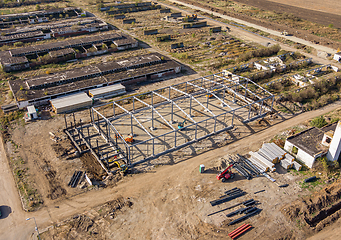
130,120
138,128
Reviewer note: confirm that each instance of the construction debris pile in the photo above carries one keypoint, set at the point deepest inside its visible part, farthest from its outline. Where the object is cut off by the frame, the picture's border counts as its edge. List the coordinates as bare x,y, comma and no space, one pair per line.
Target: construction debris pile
270,154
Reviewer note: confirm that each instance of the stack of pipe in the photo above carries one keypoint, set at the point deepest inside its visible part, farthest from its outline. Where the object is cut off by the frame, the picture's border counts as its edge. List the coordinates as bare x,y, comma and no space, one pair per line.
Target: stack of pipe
268,155
286,164
289,158
272,147
263,161
240,230
259,165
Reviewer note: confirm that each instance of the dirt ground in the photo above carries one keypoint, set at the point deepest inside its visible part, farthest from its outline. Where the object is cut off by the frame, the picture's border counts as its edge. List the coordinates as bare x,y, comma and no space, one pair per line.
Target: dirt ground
51,164
297,32
166,203
315,15
329,6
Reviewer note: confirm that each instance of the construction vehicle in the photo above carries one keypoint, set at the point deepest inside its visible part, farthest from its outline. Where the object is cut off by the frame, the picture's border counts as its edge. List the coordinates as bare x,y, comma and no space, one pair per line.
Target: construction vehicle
181,124
285,33
209,95
226,174
129,139
123,168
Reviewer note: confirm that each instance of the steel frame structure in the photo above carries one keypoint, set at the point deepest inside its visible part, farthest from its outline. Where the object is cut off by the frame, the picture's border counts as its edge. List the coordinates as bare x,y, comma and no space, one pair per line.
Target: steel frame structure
252,102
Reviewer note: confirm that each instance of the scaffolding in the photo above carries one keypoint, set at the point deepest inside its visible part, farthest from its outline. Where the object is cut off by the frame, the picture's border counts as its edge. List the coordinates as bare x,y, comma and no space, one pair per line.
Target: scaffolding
170,118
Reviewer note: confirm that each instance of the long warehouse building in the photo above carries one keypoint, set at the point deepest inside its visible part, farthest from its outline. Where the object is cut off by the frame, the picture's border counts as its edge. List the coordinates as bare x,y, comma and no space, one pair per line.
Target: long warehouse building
40,89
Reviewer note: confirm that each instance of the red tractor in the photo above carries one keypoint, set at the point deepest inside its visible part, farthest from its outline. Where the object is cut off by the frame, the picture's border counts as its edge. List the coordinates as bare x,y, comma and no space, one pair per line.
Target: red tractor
226,174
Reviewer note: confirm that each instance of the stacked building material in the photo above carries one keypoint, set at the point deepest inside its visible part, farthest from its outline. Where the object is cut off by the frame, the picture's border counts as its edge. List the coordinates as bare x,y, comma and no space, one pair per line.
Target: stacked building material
275,149
297,166
259,165
240,230
289,158
263,160
286,164
268,155
229,195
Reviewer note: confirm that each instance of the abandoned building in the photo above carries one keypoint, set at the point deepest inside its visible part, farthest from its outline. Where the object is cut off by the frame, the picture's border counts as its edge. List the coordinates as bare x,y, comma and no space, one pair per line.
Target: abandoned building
15,59
130,7
65,28
313,143
40,89
10,20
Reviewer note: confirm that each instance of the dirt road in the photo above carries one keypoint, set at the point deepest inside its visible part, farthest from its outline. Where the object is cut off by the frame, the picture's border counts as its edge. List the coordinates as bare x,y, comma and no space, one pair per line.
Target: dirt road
15,226
273,32
10,204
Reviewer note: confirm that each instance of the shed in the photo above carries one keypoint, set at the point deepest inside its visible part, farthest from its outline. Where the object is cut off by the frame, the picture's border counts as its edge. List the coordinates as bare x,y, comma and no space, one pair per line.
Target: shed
337,56
108,91
71,103
308,144
31,112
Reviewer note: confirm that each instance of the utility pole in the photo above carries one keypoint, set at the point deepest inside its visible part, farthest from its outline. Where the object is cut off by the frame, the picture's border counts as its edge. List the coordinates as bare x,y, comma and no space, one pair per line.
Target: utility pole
36,228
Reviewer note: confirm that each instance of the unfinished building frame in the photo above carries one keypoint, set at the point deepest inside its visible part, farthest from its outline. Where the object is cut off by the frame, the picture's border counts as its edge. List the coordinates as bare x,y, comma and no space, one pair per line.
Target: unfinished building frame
170,118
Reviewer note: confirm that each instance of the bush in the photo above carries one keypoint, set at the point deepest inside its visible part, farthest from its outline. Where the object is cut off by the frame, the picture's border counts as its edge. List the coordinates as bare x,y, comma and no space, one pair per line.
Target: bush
18,44
294,150
318,122
263,52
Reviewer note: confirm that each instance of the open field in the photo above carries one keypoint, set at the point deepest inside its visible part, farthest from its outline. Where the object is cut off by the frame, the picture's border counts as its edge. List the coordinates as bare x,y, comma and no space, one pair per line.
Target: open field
326,35
312,14
328,6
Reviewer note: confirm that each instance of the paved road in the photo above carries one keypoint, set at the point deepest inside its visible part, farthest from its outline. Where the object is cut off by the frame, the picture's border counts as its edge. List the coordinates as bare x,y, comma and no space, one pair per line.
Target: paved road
273,32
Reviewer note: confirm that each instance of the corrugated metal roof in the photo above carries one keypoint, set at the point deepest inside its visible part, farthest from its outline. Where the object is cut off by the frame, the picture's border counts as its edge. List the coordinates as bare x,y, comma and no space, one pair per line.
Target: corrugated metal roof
107,89
70,100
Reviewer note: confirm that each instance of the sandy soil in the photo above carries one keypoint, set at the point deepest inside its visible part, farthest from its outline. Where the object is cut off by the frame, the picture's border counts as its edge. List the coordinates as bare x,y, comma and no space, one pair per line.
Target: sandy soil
172,201
162,194
328,6
298,35
311,14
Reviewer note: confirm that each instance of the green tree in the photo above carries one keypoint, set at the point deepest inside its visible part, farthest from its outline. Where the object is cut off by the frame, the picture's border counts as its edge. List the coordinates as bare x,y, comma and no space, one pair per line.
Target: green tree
318,122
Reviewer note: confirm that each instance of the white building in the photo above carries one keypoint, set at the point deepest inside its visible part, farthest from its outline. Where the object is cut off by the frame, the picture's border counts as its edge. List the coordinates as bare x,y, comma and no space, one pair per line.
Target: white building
333,153
313,143
31,113
337,56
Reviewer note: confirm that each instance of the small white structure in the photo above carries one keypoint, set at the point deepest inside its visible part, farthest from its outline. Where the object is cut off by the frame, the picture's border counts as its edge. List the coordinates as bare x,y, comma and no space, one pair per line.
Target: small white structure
108,91
312,143
31,113
333,153
299,80
337,56
71,102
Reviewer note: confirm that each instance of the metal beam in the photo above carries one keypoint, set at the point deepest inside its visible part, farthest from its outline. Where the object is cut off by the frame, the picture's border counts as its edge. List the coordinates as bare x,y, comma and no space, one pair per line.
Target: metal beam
172,101
153,109
222,85
138,122
189,95
240,85
213,94
108,122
